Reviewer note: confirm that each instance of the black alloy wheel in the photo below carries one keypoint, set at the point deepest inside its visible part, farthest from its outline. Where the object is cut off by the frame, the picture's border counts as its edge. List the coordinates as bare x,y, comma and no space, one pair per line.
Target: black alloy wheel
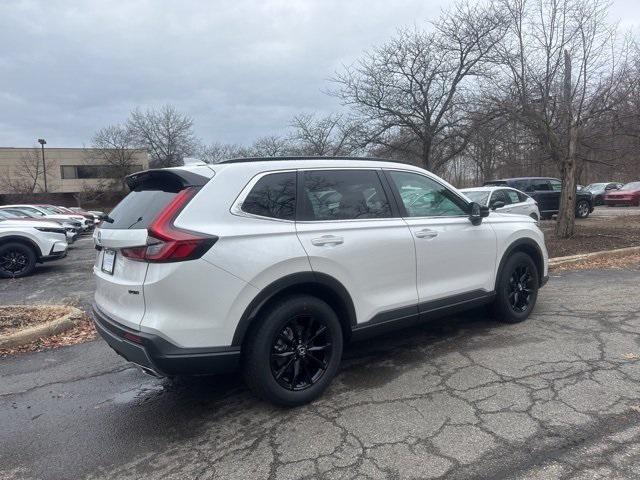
16,260
520,288
294,350
516,289
300,352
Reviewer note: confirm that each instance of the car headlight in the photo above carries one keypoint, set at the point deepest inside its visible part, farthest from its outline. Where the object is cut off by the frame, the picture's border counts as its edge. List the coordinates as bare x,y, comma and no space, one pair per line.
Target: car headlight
51,230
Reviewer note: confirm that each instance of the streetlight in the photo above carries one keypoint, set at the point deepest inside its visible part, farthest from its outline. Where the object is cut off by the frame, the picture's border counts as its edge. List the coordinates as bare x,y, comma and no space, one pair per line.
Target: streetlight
42,142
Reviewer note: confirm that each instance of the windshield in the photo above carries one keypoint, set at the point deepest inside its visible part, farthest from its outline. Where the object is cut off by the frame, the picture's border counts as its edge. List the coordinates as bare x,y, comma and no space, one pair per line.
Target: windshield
7,215
631,186
49,209
478,196
595,187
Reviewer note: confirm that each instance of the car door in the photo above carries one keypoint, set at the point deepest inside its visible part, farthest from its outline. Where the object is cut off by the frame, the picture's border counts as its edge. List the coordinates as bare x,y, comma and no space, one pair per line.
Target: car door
352,231
516,205
544,195
455,259
554,196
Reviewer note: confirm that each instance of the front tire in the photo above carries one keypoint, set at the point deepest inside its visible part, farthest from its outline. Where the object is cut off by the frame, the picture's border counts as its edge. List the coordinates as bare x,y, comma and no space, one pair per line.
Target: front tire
16,260
295,351
516,289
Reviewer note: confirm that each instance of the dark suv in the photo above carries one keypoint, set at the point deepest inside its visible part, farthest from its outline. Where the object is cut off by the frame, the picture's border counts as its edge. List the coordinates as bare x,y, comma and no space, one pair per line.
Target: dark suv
546,191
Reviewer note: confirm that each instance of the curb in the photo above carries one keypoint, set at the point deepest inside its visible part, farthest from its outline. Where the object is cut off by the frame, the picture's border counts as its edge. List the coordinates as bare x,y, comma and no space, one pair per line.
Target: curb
53,327
619,252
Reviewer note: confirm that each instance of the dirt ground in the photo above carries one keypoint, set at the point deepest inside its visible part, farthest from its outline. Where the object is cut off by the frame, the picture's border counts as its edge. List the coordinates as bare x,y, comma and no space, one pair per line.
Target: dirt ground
17,317
594,234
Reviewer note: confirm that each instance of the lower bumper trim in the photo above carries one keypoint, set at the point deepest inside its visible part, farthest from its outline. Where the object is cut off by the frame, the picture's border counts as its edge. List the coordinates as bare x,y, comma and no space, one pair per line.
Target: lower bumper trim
161,358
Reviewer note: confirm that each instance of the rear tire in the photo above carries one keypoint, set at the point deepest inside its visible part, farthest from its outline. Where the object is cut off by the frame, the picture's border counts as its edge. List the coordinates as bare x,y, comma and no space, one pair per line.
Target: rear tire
582,209
516,289
16,260
294,353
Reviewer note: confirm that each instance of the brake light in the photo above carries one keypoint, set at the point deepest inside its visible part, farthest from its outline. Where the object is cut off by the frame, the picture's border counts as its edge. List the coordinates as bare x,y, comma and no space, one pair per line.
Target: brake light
168,243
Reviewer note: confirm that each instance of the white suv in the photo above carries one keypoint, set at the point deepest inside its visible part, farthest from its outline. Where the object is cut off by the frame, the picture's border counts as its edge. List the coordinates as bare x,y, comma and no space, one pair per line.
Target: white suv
272,264
23,243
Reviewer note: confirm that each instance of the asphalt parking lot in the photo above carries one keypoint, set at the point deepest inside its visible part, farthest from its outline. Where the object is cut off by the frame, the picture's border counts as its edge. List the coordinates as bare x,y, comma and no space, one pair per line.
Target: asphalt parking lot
555,397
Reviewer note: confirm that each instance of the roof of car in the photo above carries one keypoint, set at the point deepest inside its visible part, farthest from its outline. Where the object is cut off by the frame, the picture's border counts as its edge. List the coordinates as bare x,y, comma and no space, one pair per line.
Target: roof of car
521,178
489,188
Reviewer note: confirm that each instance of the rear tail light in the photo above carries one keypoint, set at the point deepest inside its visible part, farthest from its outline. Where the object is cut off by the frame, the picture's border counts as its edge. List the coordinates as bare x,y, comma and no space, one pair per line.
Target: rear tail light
168,243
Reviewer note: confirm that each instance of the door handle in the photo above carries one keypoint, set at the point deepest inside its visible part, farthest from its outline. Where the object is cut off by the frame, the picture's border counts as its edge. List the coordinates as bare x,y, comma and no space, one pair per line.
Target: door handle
327,240
426,233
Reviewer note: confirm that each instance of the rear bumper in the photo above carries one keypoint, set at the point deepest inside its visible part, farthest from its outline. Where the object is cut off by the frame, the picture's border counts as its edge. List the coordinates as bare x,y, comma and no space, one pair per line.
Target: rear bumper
157,356
624,201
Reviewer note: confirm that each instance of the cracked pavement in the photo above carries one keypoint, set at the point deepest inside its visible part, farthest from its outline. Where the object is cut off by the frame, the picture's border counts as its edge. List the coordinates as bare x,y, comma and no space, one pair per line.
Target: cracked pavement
557,396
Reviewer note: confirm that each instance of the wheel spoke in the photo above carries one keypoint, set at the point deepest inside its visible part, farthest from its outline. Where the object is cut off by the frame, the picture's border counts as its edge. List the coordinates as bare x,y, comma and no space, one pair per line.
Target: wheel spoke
284,369
320,331
296,372
282,354
318,348
322,364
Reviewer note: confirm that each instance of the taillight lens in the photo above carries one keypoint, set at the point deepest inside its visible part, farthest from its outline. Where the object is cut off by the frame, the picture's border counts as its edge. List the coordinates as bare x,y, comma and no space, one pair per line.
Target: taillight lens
168,243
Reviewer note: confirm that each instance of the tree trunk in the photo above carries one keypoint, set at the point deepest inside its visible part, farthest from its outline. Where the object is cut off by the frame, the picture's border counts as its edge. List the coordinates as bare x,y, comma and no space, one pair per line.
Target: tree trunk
566,214
426,155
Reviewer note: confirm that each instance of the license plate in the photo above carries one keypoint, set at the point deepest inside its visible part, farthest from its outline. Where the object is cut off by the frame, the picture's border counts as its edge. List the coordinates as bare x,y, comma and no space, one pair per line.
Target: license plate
108,261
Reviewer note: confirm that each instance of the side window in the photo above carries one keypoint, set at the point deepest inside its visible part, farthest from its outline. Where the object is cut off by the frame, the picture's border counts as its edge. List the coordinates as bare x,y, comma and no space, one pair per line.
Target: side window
274,195
556,186
499,196
522,196
512,195
423,197
343,195
541,185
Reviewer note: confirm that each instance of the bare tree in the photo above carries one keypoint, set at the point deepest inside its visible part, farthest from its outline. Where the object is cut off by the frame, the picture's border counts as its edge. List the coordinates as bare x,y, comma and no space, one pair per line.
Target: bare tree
270,146
326,136
166,133
27,175
112,148
412,90
216,152
561,67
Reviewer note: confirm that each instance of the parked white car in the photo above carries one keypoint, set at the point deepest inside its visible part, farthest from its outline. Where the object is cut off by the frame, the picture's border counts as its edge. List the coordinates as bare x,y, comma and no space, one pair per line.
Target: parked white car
272,265
42,211
71,231
504,200
25,243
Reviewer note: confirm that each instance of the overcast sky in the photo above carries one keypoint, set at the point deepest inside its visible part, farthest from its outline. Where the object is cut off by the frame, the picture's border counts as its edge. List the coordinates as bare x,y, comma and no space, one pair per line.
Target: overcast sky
240,68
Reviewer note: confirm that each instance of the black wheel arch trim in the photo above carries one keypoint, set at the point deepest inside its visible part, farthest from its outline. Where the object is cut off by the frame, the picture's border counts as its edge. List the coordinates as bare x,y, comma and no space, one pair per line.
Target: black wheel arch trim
518,245
25,240
294,281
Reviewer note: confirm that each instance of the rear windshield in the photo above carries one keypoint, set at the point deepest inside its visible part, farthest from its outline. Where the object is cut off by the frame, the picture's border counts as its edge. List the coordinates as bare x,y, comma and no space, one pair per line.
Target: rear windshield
141,206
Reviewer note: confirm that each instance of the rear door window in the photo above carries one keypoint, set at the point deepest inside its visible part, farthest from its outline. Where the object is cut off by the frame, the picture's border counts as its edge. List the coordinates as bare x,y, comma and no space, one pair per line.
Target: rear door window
343,195
541,185
556,185
512,196
273,196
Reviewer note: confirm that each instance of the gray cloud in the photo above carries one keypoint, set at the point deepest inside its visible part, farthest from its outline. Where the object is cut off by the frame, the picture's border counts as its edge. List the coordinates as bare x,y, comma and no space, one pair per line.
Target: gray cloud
241,68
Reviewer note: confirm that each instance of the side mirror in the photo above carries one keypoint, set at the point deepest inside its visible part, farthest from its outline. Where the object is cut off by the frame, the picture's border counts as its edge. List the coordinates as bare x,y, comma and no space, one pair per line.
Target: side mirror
497,204
105,218
477,212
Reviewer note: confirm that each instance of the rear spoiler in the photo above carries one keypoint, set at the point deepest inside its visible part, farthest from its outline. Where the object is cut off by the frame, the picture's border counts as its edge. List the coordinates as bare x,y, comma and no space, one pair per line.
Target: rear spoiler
172,177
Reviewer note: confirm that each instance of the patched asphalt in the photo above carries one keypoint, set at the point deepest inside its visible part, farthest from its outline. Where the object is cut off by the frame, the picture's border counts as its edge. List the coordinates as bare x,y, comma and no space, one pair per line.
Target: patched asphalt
557,396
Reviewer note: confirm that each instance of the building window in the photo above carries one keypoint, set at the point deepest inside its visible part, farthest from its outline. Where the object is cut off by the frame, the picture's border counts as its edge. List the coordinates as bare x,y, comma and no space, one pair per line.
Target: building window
84,172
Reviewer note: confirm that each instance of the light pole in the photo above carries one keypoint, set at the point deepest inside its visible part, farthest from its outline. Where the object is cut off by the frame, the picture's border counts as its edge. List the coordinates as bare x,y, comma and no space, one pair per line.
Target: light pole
42,143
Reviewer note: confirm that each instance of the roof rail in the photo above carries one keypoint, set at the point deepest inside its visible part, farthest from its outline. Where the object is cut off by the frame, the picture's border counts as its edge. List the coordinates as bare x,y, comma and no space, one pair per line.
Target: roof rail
302,157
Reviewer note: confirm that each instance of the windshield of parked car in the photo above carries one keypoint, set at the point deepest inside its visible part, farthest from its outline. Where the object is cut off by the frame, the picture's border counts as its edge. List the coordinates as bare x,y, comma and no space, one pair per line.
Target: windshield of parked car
478,196
595,187
49,209
631,186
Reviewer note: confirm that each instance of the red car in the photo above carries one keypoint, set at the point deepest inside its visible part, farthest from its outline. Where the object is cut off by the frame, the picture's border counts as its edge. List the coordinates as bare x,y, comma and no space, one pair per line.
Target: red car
627,195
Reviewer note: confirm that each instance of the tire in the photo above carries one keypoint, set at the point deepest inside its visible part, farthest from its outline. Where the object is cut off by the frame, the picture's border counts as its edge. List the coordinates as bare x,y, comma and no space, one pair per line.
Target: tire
282,343
16,260
503,306
582,209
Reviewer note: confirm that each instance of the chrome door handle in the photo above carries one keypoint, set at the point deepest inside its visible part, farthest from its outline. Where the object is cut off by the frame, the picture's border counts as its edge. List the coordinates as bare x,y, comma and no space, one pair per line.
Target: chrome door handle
426,233
327,240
